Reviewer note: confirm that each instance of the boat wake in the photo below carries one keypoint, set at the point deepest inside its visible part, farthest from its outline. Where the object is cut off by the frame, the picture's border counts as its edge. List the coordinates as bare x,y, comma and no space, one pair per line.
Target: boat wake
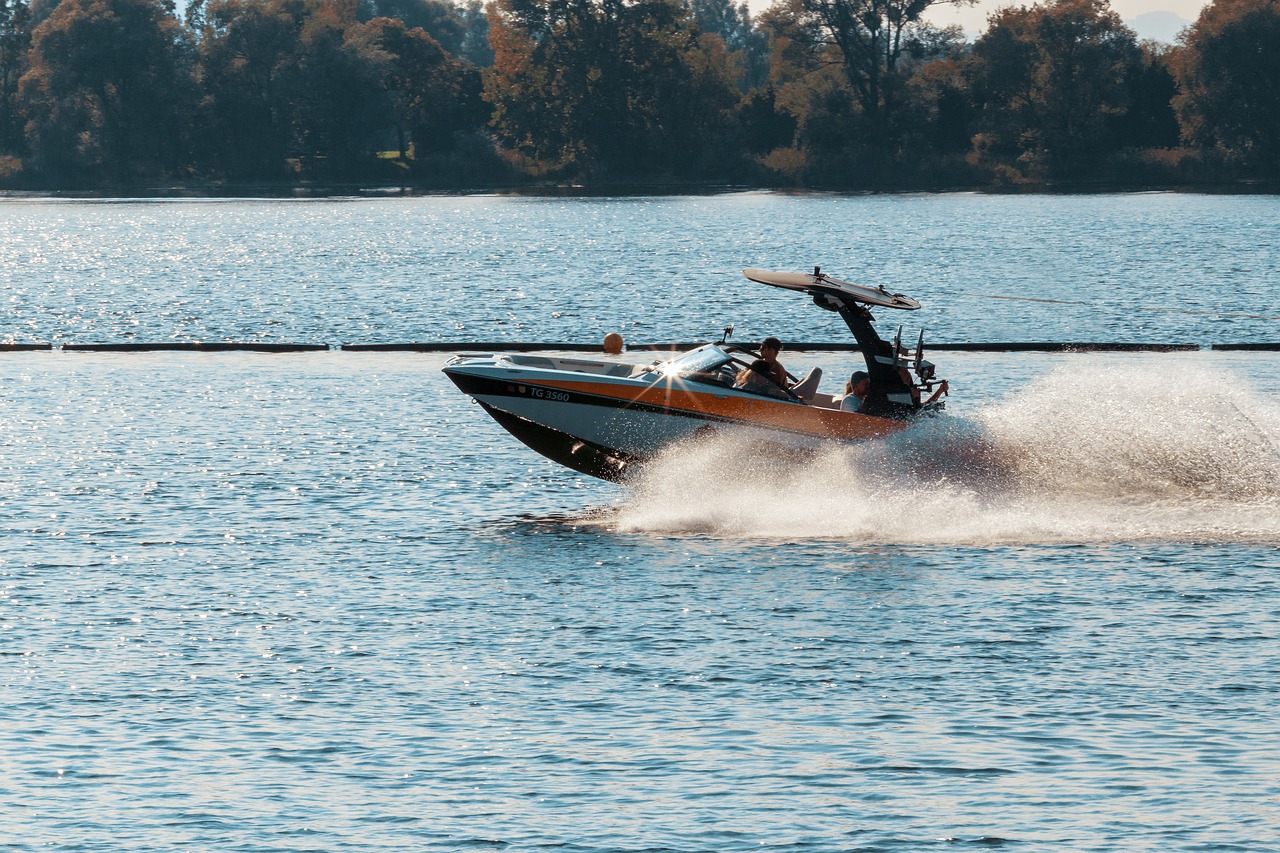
1103,457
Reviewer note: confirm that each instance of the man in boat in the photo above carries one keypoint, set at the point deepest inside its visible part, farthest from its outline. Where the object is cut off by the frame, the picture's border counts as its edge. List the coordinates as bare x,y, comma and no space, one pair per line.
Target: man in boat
769,349
804,388
758,378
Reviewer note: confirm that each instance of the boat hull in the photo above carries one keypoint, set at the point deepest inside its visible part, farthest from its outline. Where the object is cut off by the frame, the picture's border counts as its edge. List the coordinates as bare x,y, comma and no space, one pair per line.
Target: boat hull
584,457
604,425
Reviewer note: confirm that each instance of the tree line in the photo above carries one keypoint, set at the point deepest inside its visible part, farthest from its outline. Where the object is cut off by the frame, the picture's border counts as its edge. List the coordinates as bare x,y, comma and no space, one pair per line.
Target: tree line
816,93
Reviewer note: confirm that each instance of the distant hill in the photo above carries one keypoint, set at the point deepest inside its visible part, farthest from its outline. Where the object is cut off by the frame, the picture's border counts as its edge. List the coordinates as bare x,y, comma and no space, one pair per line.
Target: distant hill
1161,26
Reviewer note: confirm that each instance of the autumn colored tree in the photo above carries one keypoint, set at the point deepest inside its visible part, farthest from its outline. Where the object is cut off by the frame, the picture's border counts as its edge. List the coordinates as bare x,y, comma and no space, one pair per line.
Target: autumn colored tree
939,109
1050,82
844,136
1229,72
747,44
805,115
797,45
108,90
440,19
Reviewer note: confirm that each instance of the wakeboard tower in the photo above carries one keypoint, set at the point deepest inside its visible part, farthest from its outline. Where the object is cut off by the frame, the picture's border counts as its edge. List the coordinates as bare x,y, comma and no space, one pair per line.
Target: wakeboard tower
899,375
603,417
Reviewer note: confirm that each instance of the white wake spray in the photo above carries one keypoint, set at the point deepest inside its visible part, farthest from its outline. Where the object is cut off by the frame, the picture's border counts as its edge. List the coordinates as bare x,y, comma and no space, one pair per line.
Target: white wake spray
1104,455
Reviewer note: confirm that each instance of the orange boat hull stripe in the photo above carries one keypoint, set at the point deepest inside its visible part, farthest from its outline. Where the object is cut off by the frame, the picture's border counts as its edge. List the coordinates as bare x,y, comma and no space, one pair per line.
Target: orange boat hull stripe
818,422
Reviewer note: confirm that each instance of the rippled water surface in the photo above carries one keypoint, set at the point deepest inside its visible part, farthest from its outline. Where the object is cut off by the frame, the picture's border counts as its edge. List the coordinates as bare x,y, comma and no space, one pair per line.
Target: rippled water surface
320,602
1144,267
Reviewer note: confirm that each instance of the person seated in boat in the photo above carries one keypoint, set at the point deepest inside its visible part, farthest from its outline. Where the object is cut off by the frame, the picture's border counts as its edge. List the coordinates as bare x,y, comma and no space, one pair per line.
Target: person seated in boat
804,388
758,379
769,349
895,388
859,387
855,391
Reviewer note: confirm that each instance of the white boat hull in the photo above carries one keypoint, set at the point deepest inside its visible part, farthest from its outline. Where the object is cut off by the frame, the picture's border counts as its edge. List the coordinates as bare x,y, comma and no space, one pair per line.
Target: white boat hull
599,422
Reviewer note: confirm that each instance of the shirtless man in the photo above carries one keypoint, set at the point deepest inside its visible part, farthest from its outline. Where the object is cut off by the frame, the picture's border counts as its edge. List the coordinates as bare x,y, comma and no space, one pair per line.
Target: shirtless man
757,379
769,349
805,388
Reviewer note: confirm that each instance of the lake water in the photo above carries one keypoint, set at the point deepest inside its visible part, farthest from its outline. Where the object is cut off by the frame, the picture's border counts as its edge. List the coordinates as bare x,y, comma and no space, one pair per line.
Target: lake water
1143,268
319,601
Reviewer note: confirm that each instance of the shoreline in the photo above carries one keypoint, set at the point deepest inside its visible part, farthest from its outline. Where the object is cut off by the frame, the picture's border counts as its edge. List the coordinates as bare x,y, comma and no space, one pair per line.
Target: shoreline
229,192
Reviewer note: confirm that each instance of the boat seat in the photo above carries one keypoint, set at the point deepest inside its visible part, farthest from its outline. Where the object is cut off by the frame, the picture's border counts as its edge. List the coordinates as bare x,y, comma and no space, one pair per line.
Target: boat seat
826,401
807,387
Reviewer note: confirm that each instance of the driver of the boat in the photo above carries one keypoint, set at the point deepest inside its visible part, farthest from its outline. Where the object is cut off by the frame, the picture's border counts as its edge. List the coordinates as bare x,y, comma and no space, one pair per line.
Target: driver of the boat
759,380
769,349
855,391
803,389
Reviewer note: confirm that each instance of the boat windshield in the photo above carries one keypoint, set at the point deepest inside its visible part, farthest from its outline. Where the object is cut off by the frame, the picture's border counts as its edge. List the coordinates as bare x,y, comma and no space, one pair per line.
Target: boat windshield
707,364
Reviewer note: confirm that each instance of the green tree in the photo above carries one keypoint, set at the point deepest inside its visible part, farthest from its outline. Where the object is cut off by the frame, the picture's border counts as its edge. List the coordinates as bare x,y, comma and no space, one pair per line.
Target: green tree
621,87
341,104
1228,68
764,127
107,91
249,58
1051,82
433,95
1149,121
15,39
874,39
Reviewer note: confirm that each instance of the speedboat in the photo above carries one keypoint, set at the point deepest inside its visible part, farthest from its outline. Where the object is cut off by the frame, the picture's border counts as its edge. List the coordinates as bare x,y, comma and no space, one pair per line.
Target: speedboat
603,418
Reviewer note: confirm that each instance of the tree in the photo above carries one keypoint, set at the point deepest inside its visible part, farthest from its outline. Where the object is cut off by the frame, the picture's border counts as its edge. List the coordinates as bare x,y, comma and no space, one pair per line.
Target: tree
1051,82
1228,68
433,95
733,24
872,38
15,39
626,87
475,35
762,126
107,90
441,20
341,106
249,55
1149,121
940,108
